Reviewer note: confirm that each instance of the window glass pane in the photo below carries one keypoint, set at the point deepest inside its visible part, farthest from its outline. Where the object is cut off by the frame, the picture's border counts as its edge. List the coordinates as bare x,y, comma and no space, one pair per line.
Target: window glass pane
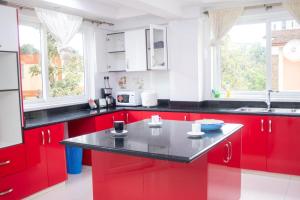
66,70
243,58
30,42
285,55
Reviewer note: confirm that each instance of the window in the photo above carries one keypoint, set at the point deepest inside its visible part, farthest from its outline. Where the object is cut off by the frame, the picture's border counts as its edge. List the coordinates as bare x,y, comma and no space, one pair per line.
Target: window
259,55
50,75
243,58
285,55
30,42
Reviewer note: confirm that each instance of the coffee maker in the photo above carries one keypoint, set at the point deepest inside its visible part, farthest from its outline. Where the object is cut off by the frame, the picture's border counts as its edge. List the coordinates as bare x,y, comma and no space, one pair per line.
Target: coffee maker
106,93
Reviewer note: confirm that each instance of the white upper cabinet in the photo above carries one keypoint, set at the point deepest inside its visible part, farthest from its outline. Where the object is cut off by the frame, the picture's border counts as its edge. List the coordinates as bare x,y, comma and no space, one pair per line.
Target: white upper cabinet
9,29
136,50
158,47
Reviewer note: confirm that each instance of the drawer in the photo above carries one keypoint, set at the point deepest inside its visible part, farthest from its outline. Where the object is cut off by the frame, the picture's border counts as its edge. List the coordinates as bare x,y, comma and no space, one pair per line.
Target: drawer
13,187
12,160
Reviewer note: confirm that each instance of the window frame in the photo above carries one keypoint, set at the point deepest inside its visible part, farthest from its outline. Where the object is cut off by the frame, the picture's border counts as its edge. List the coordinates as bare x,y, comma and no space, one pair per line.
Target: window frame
259,17
47,101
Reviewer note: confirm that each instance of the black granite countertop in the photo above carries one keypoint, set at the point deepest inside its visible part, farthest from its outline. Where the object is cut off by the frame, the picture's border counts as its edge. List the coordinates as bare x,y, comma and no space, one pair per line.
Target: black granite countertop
46,117
170,142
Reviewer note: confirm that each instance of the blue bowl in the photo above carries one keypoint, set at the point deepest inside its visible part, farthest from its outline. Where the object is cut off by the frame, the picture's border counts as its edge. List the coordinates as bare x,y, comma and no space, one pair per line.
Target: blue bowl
211,127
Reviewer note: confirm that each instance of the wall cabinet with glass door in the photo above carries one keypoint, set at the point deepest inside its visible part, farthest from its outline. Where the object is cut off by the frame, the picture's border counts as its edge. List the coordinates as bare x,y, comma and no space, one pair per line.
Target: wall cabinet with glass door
137,49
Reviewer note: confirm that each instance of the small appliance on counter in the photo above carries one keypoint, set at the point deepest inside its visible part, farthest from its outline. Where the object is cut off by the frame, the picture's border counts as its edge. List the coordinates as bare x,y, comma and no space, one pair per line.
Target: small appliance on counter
106,93
128,98
149,98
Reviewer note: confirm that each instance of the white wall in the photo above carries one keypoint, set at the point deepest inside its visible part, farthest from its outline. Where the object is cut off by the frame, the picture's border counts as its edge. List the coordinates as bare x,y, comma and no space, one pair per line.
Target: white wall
184,79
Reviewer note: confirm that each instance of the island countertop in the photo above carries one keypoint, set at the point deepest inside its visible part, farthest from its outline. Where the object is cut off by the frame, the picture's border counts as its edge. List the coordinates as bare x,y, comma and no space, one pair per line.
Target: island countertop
169,142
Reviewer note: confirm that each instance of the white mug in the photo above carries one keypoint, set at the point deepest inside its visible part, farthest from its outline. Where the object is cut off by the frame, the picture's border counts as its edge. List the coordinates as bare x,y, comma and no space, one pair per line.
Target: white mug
196,127
155,119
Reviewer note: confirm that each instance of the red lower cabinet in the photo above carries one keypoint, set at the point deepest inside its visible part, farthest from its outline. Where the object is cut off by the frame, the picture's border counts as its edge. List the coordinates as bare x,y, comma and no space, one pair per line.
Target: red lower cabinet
224,172
283,145
254,137
46,161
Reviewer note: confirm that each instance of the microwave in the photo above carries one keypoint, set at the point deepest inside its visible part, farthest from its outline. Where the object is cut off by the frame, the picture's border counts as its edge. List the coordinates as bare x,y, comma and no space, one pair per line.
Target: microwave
128,98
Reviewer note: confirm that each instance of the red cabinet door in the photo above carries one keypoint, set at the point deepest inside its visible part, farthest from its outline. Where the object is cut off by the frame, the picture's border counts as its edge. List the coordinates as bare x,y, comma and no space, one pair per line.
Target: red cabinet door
224,173
36,156
283,141
254,140
14,187
56,157
103,122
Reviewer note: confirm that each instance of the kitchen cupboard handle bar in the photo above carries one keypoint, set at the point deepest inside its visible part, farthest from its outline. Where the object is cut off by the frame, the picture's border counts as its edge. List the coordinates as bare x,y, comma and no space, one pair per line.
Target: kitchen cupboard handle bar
230,156
270,126
49,136
227,158
5,163
43,138
262,125
127,117
185,117
6,192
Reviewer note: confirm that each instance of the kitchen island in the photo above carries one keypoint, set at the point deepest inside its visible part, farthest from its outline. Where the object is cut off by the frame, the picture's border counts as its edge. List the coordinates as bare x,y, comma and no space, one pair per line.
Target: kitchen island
163,163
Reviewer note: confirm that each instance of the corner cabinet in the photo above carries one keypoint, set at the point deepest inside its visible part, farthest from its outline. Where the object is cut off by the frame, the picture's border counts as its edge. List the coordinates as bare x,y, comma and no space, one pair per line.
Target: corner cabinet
158,47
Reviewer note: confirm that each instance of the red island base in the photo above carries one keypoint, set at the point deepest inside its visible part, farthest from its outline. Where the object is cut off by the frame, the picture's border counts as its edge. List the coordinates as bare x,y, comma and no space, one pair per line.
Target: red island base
215,175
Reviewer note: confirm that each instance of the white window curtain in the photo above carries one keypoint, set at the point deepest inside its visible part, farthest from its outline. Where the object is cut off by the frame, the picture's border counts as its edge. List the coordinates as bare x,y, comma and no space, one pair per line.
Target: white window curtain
221,21
293,6
89,34
62,26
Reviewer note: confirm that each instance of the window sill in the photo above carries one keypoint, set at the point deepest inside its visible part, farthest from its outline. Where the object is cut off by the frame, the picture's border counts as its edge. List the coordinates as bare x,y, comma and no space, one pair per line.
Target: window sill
51,104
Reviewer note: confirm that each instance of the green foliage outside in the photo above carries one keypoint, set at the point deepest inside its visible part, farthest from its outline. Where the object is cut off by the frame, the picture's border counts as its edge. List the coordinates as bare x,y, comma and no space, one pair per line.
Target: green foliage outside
243,66
72,71
64,80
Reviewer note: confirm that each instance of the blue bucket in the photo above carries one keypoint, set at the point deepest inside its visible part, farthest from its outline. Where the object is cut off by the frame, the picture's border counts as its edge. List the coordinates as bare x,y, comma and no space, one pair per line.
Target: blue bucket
74,159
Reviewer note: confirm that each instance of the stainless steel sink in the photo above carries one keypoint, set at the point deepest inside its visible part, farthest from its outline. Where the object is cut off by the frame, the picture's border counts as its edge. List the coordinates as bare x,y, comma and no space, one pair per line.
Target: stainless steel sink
251,109
273,110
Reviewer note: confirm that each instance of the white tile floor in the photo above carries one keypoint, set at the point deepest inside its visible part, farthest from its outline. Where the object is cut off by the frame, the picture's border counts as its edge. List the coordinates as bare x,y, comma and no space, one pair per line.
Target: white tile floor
255,186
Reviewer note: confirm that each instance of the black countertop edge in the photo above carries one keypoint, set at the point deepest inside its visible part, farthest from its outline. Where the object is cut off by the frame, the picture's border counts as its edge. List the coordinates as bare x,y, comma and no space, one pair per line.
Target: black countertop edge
152,155
73,116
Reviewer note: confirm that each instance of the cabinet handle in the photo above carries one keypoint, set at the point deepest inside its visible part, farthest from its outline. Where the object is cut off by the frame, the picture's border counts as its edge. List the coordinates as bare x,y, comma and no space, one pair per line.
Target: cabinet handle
43,138
6,192
270,126
49,136
227,157
262,125
185,118
127,117
5,163
230,145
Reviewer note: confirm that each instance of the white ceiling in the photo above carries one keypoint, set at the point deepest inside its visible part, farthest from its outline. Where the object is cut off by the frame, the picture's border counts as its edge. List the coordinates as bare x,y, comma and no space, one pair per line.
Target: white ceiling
113,10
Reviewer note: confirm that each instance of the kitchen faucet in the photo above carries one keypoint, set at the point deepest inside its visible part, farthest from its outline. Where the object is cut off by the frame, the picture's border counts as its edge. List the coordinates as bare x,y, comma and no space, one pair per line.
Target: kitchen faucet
268,99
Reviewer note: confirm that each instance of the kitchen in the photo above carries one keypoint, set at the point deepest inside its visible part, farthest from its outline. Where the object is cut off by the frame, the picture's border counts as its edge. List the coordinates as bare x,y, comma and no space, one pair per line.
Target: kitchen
132,89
